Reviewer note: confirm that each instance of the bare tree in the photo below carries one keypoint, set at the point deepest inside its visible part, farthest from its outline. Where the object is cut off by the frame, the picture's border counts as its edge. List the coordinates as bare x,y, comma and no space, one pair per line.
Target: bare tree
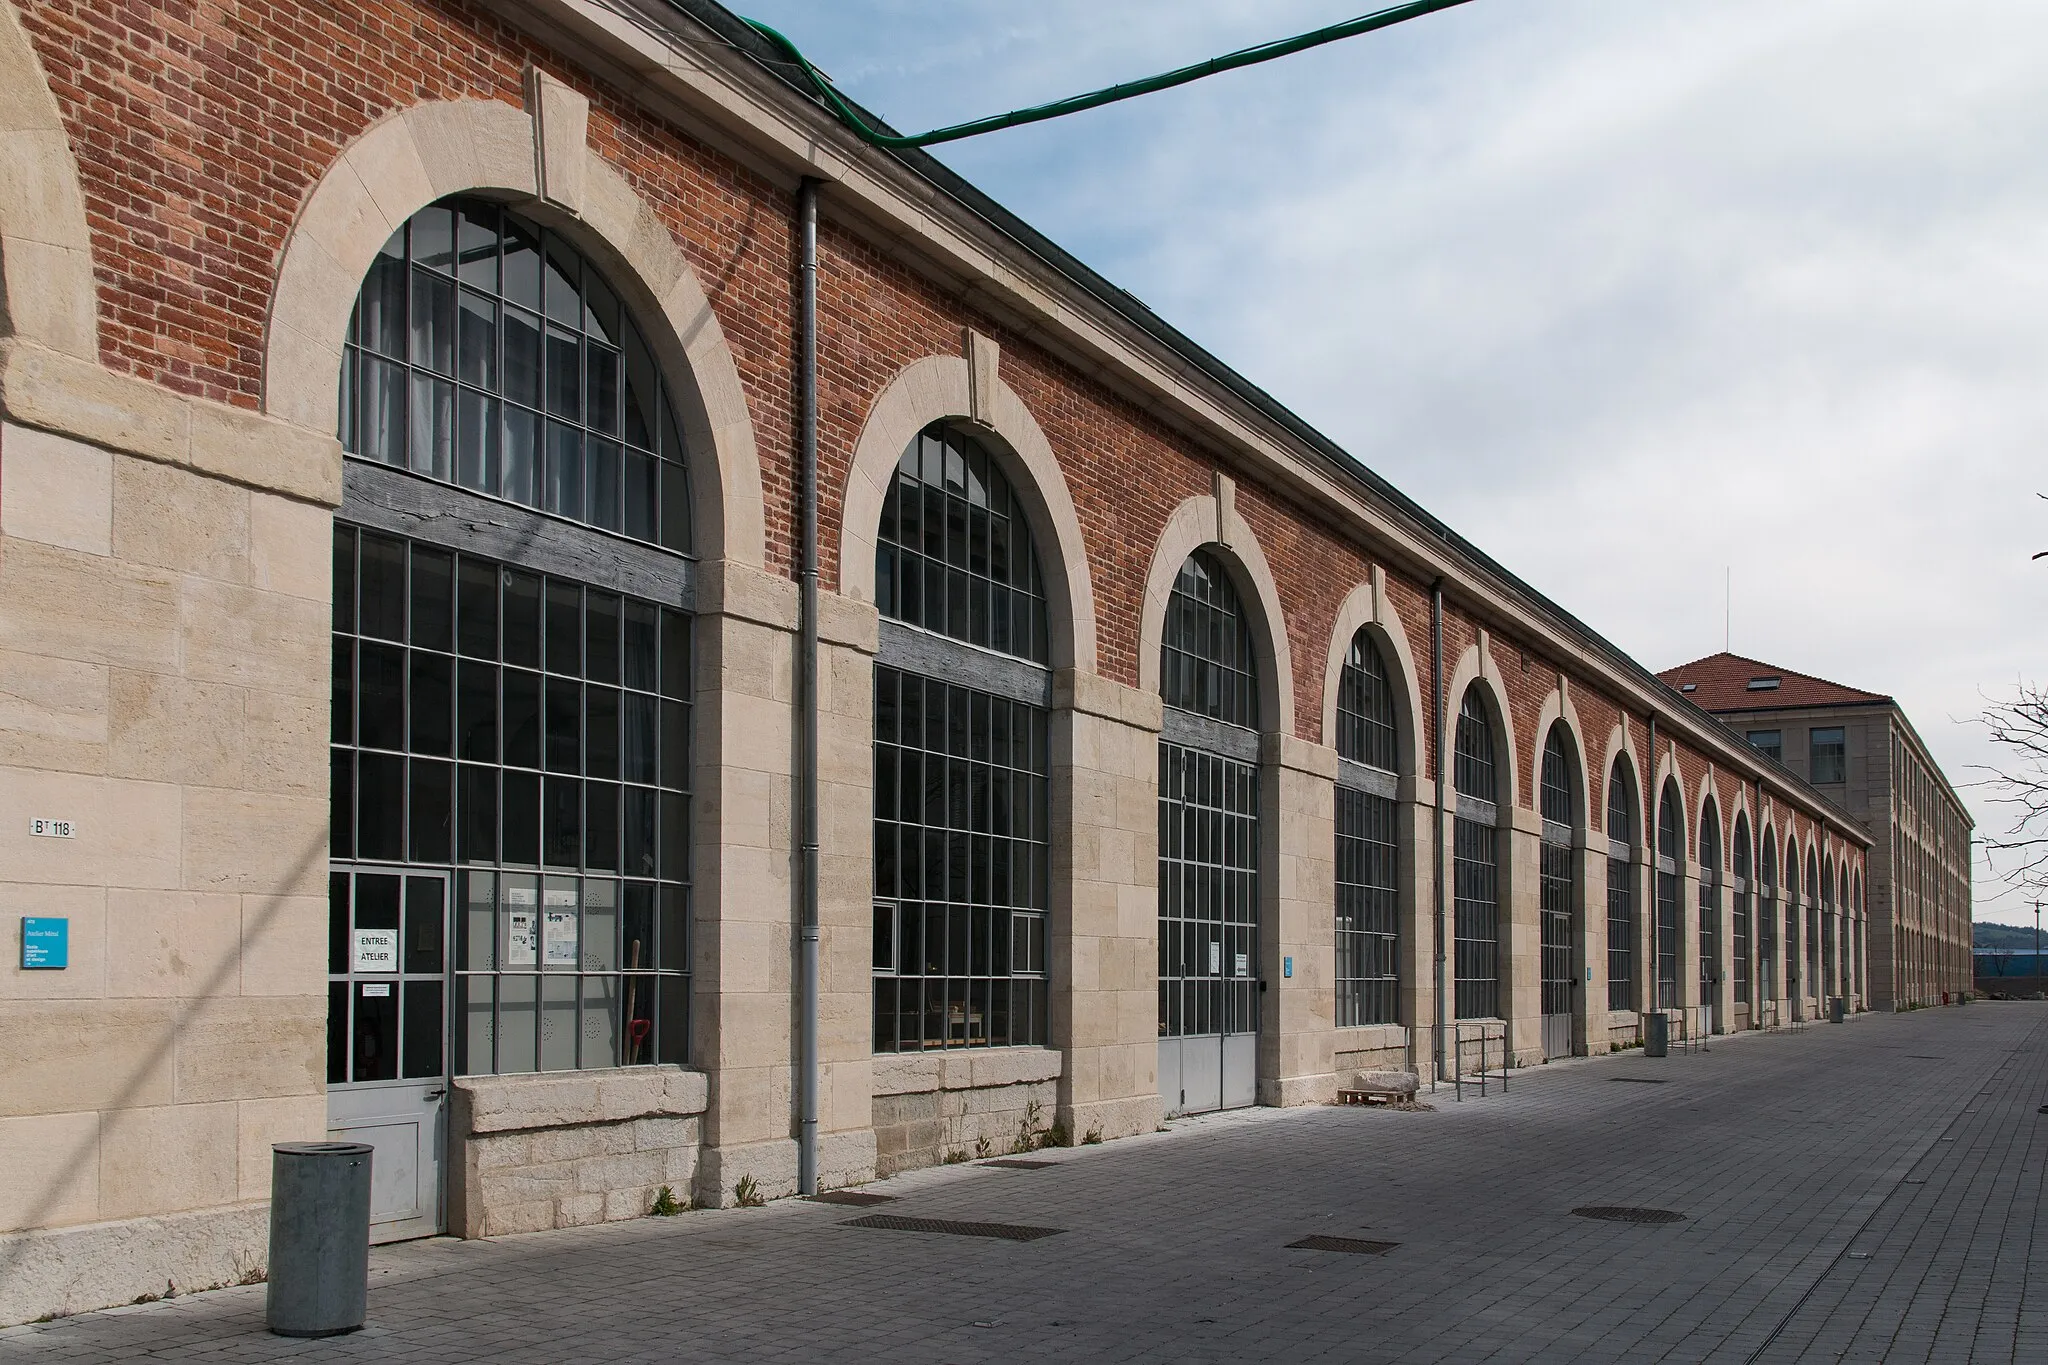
2019,785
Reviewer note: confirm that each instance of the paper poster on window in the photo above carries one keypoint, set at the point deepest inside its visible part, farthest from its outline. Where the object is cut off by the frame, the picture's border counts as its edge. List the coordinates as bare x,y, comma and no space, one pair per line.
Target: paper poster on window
522,928
1244,964
376,950
558,929
1215,959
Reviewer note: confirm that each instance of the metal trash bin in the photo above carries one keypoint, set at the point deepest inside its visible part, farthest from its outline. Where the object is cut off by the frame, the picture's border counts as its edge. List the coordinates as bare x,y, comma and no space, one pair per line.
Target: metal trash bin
319,1238
1838,1006
1656,1034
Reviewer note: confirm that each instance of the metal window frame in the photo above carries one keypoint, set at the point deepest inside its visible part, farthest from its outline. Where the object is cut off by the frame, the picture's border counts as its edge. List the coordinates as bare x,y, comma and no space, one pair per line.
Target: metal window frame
969,851
1366,845
945,552
664,445
454,868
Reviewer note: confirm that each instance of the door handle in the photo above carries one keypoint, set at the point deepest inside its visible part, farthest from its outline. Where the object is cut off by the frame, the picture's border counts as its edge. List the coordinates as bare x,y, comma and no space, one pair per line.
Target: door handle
435,1094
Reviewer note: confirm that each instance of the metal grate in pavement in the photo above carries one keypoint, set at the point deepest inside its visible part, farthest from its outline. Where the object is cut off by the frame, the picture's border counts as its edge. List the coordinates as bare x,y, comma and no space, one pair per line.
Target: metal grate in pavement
1637,1080
1356,1245
857,1198
1011,1163
1008,1232
1619,1214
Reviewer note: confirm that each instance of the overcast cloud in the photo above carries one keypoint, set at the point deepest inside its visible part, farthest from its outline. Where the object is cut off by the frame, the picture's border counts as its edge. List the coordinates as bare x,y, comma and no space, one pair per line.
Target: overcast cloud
1632,294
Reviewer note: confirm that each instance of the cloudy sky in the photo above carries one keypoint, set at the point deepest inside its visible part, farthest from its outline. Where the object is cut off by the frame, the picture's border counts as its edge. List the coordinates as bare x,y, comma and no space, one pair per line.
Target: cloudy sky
1641,297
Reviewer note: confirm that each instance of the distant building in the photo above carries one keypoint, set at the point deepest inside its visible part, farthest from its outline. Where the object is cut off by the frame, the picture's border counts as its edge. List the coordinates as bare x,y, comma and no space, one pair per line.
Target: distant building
1859,748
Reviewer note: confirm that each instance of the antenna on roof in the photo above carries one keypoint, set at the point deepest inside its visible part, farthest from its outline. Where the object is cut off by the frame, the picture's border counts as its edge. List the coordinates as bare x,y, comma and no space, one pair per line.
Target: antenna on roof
1728,609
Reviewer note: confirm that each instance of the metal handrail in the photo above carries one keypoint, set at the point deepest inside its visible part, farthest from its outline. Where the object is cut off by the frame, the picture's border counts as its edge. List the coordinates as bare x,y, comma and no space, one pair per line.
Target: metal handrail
1483,1030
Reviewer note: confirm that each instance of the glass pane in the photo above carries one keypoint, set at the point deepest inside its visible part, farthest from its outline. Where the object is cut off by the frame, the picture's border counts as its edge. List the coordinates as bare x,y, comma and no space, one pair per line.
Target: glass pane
478,609
558,1023
380,308
382,590
433,426
476,1030
477,247
477,949
476,445
337,1032
563,491
600,1044
477,340
433,237
432,724
518,1023
639,1013
522,357
380,807
424,924
423,1024
375,1041
601,637
520,454
433,322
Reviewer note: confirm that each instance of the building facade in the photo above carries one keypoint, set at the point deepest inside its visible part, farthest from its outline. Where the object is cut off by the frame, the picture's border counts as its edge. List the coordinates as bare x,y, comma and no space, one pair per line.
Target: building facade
408,680
1860,750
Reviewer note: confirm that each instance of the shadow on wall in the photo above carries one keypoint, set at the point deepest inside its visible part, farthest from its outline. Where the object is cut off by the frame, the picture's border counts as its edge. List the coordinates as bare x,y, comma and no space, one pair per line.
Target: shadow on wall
188,1010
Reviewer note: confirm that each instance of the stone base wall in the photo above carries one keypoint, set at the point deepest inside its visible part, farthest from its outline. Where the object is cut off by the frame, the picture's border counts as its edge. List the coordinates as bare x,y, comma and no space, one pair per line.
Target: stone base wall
1381,1047
931,1107
60,1271
566,1149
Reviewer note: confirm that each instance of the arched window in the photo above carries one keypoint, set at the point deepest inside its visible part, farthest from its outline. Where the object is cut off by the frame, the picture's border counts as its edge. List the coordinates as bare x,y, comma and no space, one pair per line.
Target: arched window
1793,953
1669,822
1710,907
1816,982
1475,863
1206,664
1209,964
1555,896
1830,973
962,757
1858,956
954,554
511,819
1767,919
1739,945
1368,909
485,352
1621,886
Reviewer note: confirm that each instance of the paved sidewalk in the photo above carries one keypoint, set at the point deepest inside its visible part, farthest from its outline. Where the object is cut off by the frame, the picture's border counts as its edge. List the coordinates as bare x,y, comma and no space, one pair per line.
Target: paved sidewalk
1864,1192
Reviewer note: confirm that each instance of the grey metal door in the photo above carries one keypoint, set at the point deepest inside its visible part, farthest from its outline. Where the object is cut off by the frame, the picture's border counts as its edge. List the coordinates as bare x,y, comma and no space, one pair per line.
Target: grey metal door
1558,982
1208,931
387,1056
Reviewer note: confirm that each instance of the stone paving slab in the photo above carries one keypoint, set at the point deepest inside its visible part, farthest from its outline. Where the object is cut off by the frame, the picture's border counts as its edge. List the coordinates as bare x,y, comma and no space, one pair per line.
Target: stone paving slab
1863,1192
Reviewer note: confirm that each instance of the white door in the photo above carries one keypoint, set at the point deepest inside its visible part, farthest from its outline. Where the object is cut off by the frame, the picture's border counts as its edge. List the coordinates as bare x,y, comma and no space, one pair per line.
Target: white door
387,1029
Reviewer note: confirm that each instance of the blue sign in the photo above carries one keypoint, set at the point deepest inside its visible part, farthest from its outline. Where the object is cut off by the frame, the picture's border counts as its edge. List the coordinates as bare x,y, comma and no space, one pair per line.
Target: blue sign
45,943
1287,966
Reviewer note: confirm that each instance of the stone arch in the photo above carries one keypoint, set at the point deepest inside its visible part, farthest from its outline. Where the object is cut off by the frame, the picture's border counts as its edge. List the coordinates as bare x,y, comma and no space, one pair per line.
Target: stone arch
933,389
1476,666
1621,745
1711,806
408,160
47,294
1558,710
1198,524
1367,609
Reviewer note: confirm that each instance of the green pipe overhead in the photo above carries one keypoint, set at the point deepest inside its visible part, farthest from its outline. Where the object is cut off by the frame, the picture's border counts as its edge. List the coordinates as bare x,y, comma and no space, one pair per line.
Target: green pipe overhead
1095,99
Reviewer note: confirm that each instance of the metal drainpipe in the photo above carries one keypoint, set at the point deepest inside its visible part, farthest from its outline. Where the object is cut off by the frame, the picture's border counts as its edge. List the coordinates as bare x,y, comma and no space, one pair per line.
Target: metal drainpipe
1652,828
1436,823
807,685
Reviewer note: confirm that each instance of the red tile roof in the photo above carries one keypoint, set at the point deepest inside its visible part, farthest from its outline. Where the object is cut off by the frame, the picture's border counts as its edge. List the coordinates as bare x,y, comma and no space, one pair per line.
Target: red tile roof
1722,682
